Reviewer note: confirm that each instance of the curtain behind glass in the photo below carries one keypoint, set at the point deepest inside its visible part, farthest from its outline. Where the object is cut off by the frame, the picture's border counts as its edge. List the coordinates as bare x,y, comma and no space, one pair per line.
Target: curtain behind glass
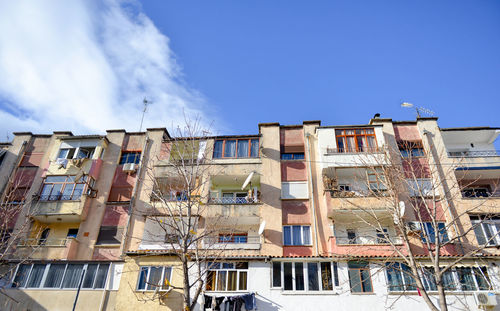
254,149
102,273
287,236
88,280
242,285
326,276
299,276
394,277
72,276
55,276
312,276
296,235
154,277
36,275
231,280
242,148
465,278
21,276
306,234
218,148
230,149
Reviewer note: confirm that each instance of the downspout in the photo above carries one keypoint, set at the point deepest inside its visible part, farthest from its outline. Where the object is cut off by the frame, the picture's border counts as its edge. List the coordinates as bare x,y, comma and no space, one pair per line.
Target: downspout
132,199
313,205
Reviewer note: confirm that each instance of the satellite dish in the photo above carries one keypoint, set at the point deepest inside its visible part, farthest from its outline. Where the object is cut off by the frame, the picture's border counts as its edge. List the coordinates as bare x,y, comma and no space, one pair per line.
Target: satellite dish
247,181
406,105
262,227
402,208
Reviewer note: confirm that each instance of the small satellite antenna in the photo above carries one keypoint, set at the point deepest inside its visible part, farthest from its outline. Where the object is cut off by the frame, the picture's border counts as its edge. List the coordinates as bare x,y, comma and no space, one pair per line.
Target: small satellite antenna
146,103
262,227
248,180
418,110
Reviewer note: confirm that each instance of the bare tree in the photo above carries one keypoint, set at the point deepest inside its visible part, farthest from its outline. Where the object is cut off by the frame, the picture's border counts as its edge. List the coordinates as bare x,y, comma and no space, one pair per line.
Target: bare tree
411,218
179,218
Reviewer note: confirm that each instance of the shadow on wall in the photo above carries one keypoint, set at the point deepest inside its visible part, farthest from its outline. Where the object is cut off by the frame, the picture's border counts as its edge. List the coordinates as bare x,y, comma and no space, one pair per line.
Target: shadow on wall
15,300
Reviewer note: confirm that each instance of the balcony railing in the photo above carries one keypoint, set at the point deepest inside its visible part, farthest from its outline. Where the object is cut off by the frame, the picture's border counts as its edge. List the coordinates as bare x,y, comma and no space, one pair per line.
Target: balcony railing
33,242
474,154
232,240
232,201
353,150
367,240
60,197
358,193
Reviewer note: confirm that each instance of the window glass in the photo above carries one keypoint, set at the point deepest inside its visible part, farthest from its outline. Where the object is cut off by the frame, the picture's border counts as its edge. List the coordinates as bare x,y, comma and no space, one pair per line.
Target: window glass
88,280
296,235
359,277
466,278
36,275
254,149
230,149
312,276
287,235
242,285
55,276
231,280
306,234
73,275
221,280
394,277
448,281
410,283
276,274
130,157
326,276
218,148
102,274
154,277
143,278
21,276
482,278
299,276
287,276
242,148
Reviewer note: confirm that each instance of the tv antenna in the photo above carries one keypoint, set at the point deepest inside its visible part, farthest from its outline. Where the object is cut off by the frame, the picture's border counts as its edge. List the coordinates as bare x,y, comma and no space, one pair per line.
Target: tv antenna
418,109
146,103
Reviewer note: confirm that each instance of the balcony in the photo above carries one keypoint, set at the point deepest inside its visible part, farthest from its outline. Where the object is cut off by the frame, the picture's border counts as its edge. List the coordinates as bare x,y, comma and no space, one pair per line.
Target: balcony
56,209
474,153
368,240
234,200
49,249
242,242
330,151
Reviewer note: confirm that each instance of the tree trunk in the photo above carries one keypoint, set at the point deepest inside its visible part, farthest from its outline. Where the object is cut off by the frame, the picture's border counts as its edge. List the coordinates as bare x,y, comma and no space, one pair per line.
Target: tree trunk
187,297
442,297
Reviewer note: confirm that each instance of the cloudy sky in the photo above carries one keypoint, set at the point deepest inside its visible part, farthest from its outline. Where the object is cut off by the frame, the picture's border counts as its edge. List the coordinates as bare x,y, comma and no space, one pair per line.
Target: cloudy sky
86,66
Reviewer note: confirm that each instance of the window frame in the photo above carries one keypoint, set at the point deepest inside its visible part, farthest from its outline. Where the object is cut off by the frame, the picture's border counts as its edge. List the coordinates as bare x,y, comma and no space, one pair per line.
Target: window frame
85,180
301,235
148,275
41,285
124,160
233,238
442,233
493,226
334,279
237,141
295,156
343,135
360,275
217,268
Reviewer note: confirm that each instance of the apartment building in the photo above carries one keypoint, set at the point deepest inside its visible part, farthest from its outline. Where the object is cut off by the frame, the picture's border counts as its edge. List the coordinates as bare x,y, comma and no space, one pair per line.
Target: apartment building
301,216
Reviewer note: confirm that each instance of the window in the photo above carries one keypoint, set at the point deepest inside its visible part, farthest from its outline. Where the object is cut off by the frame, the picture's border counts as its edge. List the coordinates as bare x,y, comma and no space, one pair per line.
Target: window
351,236
376,179
487,230
399,277
110,235
420,187
72,233
233,238
63,188
153,277
236,148
43,236
292,156
359,277
476,192
356,140
76,153
296,235
382,236
130,157
227,276
305,276
429,232
61,275
459,278
294,190
411,149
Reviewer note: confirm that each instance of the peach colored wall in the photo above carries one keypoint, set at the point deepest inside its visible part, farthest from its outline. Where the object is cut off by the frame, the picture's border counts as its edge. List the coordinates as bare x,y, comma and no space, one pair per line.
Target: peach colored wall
121,189
296,212
133,142
407,132
115,216
425,208
417,166
293,171
292,137
106,253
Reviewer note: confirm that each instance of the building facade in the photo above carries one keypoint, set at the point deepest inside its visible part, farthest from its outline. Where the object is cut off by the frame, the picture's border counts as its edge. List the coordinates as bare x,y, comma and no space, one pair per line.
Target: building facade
304,217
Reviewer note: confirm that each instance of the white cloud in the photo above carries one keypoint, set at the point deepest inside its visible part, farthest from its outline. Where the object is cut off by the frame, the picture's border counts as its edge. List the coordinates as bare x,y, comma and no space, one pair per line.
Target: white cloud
86,66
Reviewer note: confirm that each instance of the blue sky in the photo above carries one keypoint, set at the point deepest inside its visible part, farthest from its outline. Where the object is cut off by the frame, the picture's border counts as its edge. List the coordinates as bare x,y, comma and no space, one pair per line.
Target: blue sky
239,63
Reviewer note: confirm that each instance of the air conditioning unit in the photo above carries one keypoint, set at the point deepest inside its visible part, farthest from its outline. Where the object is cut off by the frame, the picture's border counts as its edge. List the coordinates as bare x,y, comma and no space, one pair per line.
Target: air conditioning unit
129,167
485,299
414,226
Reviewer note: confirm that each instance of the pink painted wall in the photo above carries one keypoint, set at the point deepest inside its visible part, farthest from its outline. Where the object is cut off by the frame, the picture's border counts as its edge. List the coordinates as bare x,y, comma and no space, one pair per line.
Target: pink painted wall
123,183
292,139
115,216
297,251
133,142
293,171
296,212
407,132
106,253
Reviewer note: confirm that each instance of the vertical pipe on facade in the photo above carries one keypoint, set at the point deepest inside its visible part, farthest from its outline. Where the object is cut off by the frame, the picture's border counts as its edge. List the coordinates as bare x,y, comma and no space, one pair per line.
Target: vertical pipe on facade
132,199
311,184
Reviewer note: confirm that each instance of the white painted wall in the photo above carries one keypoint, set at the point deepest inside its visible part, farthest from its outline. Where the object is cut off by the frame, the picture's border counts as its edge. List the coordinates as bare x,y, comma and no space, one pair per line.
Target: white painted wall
259,281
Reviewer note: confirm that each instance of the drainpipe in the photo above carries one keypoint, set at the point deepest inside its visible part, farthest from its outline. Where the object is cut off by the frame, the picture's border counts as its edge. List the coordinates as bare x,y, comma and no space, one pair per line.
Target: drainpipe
313,206
132,199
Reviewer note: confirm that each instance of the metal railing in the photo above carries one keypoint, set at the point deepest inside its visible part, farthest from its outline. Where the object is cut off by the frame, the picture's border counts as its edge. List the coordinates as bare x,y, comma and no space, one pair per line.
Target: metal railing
232,200
353,150
474,154
44,242
60,197
235,239
367,240
358,193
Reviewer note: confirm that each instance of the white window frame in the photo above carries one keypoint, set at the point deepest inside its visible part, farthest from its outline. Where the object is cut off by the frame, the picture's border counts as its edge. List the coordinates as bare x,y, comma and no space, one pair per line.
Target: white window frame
492,225
227,270
47,269
301,235
148,274
334,277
